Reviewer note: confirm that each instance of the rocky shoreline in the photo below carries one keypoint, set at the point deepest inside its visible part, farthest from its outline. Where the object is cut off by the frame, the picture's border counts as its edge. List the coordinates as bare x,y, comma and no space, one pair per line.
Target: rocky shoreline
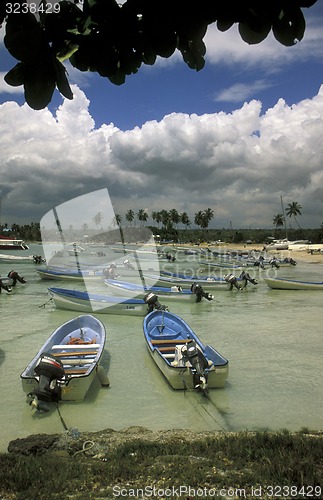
136,462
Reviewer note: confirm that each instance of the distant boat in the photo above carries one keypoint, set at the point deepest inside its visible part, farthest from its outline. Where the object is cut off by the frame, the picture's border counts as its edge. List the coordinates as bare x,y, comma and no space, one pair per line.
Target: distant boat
166,294
74,300
180,355
67,364
208,284
17,258
284,244
224,265
287,284
12,244
68,275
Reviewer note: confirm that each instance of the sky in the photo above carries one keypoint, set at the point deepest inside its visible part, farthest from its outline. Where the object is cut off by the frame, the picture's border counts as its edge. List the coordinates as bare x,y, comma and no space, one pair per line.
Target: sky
235,137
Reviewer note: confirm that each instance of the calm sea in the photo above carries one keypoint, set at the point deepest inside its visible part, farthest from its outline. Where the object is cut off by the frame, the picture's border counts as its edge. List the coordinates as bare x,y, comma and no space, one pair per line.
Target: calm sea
273,340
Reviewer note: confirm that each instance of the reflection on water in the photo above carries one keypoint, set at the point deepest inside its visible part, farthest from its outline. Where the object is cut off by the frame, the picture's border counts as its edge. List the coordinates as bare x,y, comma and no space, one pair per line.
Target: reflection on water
272,338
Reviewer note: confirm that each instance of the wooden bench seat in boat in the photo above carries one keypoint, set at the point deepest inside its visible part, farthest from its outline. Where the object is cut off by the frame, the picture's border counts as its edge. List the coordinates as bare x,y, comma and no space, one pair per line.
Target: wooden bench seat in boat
75,371
170,341
166,349
74,353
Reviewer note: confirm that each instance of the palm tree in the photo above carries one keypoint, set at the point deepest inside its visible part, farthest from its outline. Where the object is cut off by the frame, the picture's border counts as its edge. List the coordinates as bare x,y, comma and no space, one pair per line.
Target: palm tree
209,214
199,219
165,218
142,215
293,210
130,215
278,220
203,218
174,216
156,217
185,219
116,221
98,219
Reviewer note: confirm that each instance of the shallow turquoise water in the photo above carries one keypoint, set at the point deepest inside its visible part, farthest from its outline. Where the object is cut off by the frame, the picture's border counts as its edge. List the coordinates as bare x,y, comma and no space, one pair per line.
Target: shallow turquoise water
273,340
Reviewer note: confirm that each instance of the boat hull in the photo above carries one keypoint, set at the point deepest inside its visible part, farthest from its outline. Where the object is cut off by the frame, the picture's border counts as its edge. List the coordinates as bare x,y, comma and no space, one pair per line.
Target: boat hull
284,284
77,380
209,286
165,334
166,294
73,300
180,378
51,274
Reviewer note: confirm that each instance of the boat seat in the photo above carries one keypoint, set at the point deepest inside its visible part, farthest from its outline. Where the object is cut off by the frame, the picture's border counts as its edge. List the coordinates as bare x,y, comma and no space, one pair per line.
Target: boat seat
74,353
75,371
75,346
170,341
166,349
77,361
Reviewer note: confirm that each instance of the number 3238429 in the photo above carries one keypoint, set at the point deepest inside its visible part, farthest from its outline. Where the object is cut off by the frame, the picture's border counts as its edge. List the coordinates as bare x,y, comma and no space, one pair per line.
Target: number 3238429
35,8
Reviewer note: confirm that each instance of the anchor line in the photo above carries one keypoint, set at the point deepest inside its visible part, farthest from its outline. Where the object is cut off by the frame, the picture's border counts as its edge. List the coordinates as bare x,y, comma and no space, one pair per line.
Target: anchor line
45,303
61,418
186,388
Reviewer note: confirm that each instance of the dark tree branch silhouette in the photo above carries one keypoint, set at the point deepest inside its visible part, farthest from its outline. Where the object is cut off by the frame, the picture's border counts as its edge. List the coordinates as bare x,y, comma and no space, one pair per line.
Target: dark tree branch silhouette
115,40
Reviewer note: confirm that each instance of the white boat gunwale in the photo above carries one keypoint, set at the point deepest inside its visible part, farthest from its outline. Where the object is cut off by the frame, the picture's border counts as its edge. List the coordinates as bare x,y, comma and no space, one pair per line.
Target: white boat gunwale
87,356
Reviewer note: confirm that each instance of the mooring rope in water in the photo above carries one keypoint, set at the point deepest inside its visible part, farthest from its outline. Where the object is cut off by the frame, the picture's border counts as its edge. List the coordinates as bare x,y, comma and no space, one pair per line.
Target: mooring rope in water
45,303
186,388
61,418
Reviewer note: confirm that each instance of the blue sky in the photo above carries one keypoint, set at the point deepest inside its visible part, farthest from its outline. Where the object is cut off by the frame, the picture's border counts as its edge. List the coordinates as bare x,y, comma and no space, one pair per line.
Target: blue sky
234,136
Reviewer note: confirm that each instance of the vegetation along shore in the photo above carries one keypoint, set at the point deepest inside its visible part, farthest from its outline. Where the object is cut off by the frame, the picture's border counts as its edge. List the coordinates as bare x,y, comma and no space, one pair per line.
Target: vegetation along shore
138,463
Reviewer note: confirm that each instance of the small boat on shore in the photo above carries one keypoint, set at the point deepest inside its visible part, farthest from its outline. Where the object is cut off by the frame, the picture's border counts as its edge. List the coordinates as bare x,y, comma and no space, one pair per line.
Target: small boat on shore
180,355
67,364
74,300
287,284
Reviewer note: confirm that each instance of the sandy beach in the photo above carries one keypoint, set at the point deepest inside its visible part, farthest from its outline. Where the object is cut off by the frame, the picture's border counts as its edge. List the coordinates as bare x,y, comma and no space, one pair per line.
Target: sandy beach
298,255
303,255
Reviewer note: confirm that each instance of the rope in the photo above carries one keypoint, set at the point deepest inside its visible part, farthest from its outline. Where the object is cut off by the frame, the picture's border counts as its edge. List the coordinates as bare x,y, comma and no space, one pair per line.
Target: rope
61,418
45,303
84,449
186,388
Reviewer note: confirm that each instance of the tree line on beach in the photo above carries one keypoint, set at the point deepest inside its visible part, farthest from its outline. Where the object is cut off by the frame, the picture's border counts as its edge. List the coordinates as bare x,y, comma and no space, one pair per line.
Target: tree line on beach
176,226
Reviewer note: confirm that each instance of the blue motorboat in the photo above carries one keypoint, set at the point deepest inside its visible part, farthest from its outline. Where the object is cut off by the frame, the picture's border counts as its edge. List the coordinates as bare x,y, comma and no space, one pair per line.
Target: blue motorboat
180,355
67,364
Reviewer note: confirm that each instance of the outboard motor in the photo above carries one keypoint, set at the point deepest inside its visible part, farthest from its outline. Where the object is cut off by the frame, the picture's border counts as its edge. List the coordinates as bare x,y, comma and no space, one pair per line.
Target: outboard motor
199,363
246,277
49,370
230,278
153,303
199,292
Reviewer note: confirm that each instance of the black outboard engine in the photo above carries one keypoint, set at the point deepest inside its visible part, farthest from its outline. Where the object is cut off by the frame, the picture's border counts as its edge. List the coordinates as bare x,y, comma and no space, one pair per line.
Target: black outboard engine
246,277
153,303
199,292
199,363
230,278
49,370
